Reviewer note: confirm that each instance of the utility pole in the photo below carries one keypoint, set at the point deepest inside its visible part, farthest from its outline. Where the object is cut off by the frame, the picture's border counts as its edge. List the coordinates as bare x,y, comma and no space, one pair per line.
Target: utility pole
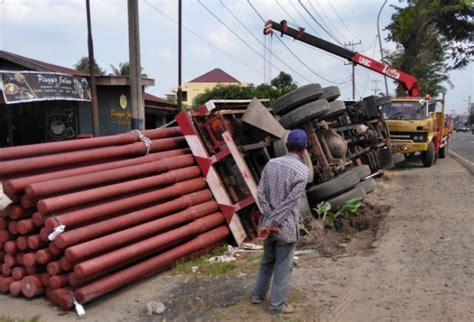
136,90
90,45
376,89
352,44
180,91
380,45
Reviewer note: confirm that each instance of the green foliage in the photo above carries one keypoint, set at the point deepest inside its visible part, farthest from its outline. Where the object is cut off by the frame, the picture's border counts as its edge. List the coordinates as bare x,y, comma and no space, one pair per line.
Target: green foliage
280,85
433,37
83,65
329,218
123,69
5,318
470,119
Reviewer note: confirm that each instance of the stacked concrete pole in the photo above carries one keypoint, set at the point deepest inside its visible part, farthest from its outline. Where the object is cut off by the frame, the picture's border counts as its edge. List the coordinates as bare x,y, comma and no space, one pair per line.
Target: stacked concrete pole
90,216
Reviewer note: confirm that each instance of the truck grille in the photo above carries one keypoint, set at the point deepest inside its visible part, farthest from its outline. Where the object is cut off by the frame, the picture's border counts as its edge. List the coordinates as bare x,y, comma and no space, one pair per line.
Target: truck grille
413,136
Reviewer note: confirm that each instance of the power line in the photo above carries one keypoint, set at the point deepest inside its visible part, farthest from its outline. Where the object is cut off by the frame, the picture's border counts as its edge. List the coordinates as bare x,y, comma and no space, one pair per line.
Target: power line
297,26
202,38
370,46
286,12
234,33
320,25
327,17
342,21
292,53
304,19
266,48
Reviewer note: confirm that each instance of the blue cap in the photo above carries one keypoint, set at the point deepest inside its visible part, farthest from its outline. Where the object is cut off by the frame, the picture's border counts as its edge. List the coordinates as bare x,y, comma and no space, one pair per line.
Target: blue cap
297,137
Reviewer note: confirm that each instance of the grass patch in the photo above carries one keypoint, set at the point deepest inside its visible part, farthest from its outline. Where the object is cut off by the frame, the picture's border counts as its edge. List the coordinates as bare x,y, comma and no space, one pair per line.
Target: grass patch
5,318
204,267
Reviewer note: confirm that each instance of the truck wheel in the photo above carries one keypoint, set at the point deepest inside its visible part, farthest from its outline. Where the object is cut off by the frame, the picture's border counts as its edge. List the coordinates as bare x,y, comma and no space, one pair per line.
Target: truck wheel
336,108
333,187
443,150
363,171
331,93
298,97
368,185
429,156
280,149
339,201
304,113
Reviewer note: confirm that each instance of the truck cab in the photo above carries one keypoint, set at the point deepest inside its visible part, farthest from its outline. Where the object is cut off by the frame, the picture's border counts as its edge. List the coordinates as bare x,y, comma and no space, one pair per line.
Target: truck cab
416,127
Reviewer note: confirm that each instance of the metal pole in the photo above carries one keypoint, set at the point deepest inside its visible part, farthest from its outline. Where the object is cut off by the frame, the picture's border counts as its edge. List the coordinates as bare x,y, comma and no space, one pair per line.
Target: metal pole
136,90
180,93
353,81
90,45
380,44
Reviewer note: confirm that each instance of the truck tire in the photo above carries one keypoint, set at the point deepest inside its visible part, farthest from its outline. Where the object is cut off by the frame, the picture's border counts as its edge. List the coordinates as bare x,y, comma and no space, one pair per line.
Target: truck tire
333,187
443,150
298,97
363,171
305,113
339,201
368,185
280,149
429,156
331,93
336,108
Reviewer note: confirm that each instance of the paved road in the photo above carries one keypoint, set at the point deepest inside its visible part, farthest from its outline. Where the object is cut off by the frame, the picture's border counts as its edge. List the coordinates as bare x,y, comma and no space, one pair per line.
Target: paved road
461,146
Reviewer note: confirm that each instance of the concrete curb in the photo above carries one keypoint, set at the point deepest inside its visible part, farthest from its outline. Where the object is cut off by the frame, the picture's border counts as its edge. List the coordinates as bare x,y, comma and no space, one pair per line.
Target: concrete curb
466,163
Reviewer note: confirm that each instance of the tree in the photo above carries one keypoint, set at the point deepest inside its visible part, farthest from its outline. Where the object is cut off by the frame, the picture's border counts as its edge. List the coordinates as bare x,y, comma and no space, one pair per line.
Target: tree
123,69
432,37
280,85
83,65
471,118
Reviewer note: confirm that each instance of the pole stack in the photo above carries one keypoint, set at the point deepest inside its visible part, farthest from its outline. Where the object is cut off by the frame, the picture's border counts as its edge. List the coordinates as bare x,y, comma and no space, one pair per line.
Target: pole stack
90,216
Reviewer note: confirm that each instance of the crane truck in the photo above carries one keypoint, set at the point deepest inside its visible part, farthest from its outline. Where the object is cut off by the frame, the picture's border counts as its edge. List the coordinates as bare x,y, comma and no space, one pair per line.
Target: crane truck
417,124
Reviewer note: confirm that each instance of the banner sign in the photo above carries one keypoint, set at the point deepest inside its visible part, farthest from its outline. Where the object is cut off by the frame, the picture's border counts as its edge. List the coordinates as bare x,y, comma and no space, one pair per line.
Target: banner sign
27,86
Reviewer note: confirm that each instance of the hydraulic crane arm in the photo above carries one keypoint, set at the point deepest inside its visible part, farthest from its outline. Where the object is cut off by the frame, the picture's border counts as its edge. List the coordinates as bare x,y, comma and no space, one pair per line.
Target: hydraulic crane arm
408,82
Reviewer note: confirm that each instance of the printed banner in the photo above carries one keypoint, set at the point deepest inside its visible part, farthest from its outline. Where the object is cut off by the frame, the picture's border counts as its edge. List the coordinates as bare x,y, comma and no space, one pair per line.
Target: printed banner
27,86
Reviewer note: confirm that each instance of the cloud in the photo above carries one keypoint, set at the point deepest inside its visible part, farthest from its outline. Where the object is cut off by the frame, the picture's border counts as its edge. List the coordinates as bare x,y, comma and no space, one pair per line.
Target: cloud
202,51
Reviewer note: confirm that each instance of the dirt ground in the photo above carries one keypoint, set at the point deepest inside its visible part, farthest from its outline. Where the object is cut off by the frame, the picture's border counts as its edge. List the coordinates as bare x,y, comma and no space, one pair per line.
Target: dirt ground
413,262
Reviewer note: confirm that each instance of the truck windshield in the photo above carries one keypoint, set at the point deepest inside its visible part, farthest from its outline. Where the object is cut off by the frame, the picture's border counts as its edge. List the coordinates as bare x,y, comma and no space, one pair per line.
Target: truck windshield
404,111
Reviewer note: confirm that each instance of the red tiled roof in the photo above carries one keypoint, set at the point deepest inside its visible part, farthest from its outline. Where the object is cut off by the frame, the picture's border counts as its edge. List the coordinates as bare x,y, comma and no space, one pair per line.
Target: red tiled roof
40,65
216,75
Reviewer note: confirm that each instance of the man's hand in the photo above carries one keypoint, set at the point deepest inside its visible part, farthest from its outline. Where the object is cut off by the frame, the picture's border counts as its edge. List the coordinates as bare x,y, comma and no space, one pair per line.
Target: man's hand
264,232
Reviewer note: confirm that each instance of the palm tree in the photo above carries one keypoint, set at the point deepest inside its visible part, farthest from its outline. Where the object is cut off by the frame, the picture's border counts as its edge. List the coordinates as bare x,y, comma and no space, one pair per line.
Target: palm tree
123,69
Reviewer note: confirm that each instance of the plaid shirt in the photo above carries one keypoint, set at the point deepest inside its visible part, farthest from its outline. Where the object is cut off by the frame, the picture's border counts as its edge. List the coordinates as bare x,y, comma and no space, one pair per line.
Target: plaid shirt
282,182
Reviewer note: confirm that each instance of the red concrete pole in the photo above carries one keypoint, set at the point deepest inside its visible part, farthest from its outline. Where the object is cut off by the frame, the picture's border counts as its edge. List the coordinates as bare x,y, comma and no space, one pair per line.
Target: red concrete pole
10,247
89,232
3,223
5,283
32,286
15,288
13,227
149,266
28,151
22,243
13,167
16,186
26,226
35,242
53,268
57,281
67,201
18,273
146,247
43,256
99,211
113,174
121,238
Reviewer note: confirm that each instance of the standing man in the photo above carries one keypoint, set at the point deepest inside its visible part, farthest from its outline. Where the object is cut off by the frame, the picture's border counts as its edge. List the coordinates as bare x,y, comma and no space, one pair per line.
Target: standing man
282,183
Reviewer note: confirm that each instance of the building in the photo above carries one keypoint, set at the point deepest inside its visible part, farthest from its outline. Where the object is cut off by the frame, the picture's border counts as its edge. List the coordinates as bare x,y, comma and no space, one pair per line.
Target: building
42,102
208,80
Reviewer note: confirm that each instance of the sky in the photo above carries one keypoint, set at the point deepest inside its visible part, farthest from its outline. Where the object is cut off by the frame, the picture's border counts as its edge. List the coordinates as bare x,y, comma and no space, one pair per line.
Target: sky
55,31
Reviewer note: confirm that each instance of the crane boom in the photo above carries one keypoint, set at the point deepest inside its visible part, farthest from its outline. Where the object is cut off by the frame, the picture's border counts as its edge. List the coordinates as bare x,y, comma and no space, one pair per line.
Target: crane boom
409,82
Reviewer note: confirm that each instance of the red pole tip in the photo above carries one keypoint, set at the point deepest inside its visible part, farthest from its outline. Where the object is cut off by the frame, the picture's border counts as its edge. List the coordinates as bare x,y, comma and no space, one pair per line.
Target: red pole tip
5,283
22,243
31,286
10,247
18,273
29,259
